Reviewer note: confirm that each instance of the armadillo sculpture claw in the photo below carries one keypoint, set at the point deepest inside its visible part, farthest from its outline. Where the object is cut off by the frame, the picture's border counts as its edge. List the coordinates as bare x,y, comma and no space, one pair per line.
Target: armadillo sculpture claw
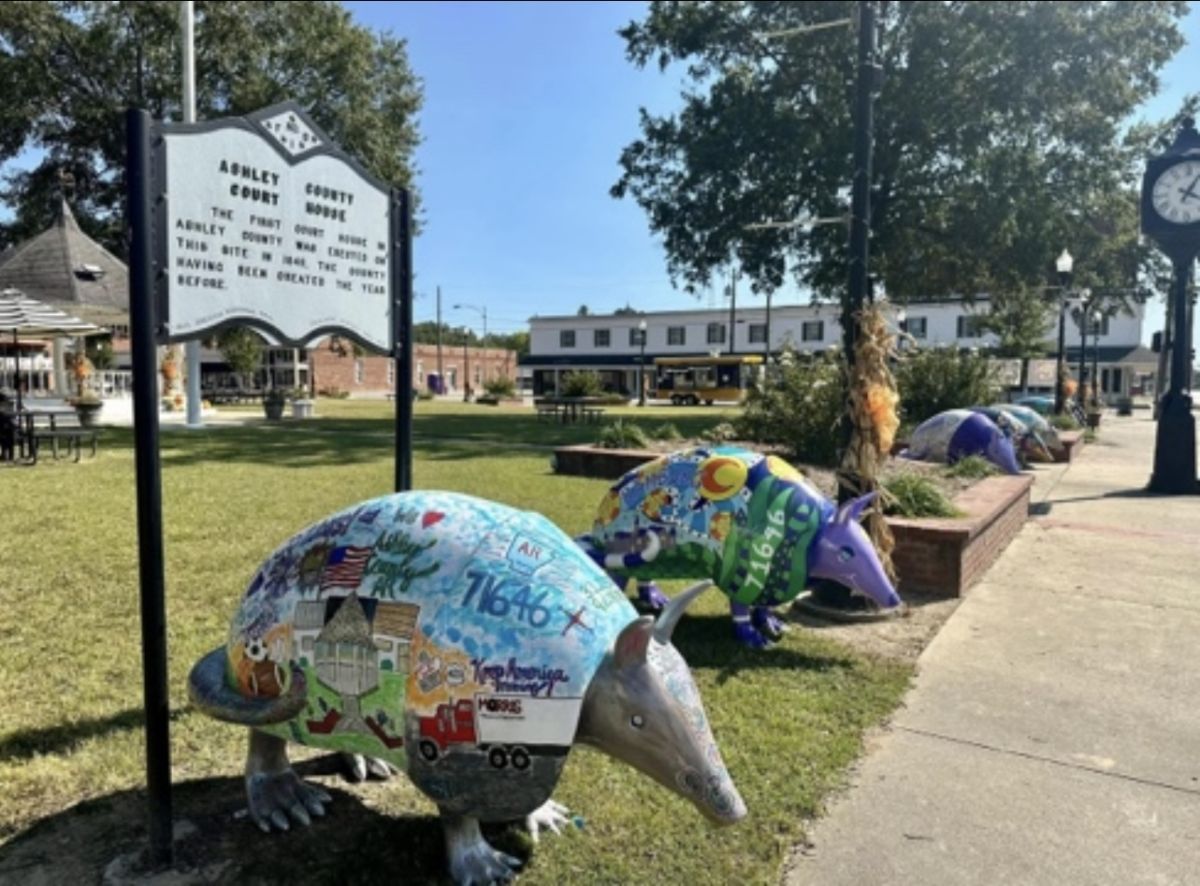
749,523
468,644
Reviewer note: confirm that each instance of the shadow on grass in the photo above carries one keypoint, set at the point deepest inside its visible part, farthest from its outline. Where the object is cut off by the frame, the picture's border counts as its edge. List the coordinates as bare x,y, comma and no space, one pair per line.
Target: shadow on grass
352,844
707,641
27,743
348,441
303,446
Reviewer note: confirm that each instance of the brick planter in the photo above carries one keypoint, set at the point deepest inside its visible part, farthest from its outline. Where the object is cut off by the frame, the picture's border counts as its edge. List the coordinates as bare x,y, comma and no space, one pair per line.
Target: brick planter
1072,442
947,556
593,461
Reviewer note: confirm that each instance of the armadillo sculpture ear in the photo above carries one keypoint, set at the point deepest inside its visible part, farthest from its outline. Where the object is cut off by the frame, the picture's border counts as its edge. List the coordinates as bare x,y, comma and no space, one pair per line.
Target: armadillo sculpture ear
669,617
630,648
852,511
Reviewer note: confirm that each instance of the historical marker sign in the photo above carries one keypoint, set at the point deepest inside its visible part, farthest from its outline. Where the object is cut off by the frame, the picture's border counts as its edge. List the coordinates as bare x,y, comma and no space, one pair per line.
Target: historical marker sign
263,221
256,220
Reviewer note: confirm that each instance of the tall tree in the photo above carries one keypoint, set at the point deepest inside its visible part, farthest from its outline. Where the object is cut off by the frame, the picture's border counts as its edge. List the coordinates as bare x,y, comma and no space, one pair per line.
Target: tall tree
69,69
998,126
242,349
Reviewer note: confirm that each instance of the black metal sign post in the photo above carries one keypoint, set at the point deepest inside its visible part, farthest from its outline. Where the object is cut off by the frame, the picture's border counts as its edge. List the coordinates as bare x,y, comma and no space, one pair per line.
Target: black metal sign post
258,221
402,318
144,332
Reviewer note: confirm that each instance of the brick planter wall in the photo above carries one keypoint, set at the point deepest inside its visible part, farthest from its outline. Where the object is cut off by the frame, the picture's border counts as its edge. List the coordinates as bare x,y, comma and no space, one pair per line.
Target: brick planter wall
605,464
1072,442
947,556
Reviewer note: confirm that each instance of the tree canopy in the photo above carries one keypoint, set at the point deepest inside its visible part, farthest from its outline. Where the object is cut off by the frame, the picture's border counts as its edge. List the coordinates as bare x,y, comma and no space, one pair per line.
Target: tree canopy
69,69
1001,136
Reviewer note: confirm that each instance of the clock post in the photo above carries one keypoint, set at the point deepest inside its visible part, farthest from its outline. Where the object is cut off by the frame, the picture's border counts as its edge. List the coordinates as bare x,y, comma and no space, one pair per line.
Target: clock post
1171,218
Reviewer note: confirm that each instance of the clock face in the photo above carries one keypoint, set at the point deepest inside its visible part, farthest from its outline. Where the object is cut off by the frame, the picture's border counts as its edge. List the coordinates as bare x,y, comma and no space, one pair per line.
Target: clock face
1176,193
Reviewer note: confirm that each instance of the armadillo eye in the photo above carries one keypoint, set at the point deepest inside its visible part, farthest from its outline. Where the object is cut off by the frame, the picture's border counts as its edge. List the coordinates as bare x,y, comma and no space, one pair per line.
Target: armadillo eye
846,554
637,721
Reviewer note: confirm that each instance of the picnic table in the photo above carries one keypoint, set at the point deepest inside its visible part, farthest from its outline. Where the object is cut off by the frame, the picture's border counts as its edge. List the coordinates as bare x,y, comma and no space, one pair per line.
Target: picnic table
569,410
53,424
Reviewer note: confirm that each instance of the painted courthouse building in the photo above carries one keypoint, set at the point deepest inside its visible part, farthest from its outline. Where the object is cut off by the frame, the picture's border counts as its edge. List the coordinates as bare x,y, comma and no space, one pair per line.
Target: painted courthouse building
610,344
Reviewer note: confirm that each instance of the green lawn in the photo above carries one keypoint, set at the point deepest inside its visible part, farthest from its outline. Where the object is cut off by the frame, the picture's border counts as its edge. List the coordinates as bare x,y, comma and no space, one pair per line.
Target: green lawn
788,720
510,424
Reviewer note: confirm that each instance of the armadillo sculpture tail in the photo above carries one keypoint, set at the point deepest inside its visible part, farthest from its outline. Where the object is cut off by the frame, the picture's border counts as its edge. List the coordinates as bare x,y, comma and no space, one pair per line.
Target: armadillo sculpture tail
211,692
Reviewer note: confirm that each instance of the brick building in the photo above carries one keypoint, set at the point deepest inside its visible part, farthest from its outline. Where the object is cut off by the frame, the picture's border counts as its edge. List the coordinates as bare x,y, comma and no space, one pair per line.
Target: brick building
336,367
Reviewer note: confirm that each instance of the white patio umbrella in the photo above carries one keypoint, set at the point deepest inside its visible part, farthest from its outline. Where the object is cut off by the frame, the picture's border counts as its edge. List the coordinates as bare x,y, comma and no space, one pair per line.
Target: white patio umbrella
24,316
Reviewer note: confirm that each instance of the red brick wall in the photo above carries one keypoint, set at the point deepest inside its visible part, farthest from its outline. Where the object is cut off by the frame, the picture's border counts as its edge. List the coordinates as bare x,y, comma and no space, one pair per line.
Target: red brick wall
948,556
331,369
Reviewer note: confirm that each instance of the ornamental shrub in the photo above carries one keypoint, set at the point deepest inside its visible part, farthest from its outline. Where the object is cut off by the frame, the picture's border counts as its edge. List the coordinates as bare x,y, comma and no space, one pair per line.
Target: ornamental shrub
797,405
934,380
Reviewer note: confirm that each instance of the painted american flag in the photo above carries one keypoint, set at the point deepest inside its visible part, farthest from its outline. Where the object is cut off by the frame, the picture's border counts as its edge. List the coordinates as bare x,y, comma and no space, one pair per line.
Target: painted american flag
345,567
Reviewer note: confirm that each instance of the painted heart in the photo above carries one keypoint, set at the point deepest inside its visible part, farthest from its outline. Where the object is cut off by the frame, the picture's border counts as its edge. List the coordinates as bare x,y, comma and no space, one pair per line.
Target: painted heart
431,517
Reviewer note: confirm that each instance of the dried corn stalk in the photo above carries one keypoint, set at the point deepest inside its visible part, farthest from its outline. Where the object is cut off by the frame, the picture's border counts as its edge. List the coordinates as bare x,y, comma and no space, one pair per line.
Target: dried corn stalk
872,396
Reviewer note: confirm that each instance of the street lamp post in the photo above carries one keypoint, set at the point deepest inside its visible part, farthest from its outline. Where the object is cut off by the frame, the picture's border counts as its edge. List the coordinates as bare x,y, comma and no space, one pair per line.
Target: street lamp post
642,364
483,360
1063,265
1083,325
1097,319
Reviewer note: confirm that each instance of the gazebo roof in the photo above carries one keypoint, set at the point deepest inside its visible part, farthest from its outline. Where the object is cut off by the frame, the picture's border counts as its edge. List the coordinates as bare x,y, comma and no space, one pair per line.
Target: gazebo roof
67,269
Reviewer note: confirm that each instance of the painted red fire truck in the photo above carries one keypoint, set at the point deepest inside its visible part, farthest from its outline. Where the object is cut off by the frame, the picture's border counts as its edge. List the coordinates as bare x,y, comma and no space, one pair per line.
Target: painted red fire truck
508,728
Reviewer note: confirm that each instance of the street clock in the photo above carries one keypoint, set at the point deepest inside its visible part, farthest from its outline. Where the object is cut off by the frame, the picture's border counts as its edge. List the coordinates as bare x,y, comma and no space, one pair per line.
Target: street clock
1171,196
1171,218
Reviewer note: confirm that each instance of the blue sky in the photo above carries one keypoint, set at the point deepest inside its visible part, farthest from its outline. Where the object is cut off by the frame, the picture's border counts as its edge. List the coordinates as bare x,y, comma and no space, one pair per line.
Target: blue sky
527,108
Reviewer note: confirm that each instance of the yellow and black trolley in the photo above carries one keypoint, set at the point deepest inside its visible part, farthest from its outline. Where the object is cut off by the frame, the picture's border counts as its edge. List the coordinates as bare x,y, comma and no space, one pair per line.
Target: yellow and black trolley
693,380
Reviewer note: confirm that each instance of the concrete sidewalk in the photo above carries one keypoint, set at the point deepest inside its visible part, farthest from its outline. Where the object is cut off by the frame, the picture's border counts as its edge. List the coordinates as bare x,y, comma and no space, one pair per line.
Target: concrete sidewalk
1053,732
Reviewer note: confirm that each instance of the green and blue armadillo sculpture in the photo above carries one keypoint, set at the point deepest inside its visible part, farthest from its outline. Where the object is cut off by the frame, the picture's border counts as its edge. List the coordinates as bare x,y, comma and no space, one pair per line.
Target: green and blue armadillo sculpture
749,523
470,645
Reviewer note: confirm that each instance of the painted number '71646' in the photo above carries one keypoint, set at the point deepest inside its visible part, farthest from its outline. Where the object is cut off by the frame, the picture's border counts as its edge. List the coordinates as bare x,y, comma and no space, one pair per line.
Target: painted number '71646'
505,597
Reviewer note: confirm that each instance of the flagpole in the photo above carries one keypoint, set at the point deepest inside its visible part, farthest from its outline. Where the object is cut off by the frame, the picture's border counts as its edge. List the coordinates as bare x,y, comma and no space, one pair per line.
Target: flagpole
191,349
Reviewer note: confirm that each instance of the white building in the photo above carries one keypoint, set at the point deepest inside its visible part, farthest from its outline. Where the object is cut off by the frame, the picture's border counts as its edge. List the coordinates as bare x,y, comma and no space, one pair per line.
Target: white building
610,344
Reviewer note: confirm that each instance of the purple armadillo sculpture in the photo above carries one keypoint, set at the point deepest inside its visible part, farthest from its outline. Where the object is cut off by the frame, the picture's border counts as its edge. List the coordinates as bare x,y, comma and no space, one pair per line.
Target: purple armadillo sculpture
467,643
957,433
749,523
1028,443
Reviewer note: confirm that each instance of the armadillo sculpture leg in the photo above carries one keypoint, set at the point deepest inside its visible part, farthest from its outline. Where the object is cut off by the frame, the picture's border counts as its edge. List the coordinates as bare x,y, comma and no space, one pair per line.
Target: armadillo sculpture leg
472,858
651,596
275,794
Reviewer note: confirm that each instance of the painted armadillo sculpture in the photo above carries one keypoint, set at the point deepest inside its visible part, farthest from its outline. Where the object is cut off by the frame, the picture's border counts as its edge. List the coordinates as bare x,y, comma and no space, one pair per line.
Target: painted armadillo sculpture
957,433
1027,442
468,644
750,523
1036,422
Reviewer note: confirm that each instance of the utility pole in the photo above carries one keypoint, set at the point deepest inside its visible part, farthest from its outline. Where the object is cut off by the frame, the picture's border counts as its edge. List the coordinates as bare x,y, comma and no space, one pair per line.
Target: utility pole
191,349
732,308
441,377
767,339
483,359
860,207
